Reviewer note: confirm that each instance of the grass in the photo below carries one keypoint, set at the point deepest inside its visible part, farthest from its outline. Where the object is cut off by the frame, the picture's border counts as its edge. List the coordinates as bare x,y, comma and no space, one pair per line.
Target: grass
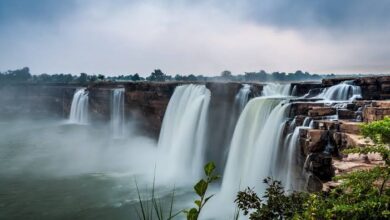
152,209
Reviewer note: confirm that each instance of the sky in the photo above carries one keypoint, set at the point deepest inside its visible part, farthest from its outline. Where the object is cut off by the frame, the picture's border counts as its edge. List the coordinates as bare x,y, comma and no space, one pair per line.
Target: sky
195,37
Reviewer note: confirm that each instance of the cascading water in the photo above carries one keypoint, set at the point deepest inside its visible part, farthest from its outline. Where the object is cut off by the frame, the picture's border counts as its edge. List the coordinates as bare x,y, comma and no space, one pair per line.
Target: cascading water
256,139
344,91
274,89
294,91
292,161
219,144
242,96
182,135
292,177
118,112
252,151
79,107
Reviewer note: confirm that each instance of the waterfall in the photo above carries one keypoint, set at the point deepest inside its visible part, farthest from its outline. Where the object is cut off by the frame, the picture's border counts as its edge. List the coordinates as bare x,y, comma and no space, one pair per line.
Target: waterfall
294,91
307,121
242,96
79,107
292,163
344,91
118,112
290,171
222,131
182,135
252,151
275,89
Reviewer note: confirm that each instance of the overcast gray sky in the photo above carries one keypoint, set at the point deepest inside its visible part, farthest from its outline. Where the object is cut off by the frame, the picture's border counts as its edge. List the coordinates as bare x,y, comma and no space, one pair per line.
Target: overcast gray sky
201,37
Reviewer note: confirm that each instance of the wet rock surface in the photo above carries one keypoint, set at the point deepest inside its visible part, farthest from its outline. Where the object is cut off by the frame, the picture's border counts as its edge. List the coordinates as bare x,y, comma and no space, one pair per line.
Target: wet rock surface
333,128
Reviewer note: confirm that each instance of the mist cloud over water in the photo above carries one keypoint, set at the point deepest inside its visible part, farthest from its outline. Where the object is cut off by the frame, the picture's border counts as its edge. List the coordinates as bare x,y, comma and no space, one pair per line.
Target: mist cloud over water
202,37
56,149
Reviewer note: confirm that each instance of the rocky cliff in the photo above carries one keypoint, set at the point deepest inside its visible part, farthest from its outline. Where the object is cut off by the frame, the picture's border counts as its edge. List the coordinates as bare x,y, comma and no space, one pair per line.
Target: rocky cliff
146,102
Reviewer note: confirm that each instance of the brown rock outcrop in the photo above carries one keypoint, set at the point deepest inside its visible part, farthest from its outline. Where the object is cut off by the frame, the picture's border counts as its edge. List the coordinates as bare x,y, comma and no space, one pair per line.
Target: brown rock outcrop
313,140
321,111
350,127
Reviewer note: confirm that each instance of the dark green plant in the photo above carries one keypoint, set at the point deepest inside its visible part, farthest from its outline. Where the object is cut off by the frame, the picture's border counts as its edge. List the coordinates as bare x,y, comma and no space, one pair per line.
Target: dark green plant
378,131
363,194
276,203
201,189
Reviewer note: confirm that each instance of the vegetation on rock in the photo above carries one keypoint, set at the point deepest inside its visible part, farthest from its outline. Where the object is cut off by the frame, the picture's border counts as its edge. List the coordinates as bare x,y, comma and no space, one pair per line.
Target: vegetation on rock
363,194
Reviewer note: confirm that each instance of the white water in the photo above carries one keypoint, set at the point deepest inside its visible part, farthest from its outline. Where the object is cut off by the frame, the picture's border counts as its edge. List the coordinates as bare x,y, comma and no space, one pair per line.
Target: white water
253,149
242,96
344,91
118,113
182,136
275,89
79,107
294,91
293,179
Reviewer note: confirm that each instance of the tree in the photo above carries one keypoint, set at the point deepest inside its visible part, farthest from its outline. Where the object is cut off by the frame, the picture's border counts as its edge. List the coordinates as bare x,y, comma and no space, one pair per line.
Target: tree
101,77
277,204
226,74
19,75
135,77
157,75
83,78
191,77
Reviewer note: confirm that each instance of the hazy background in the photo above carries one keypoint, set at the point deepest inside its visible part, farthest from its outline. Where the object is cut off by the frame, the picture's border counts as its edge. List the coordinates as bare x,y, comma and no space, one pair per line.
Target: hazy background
199,37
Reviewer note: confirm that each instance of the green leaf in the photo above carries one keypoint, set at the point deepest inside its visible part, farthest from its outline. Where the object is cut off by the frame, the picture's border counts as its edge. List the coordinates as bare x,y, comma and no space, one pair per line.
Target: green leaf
198,203
201,187
208,198
192,214
209,168
214,178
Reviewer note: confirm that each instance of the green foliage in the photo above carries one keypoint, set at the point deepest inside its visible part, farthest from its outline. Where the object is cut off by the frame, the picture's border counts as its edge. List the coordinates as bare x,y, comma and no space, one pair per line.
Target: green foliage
378,131
83,78
201,188
276,203
153,208
16,76
226,74
380,149
158,75
361,195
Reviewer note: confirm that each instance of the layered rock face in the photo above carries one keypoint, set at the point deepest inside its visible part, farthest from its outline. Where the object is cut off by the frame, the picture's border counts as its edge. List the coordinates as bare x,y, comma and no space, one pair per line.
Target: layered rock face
145,102
373,88
35,100
334,127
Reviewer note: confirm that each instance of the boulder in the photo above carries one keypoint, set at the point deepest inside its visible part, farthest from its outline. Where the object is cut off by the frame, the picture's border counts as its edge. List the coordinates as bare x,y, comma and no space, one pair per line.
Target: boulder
350,127
321,111
346,114
320,164
302,108
375,113
381,104
315,140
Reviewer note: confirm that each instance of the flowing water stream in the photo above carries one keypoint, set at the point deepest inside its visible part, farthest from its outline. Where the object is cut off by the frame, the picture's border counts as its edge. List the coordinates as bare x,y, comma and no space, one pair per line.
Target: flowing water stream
79,107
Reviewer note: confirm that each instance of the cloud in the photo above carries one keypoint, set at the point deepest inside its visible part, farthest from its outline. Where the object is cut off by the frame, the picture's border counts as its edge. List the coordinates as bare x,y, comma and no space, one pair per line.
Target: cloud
203,37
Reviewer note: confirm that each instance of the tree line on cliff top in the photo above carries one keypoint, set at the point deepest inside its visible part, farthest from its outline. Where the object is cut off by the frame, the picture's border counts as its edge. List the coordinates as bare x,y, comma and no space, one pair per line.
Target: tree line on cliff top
23,75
